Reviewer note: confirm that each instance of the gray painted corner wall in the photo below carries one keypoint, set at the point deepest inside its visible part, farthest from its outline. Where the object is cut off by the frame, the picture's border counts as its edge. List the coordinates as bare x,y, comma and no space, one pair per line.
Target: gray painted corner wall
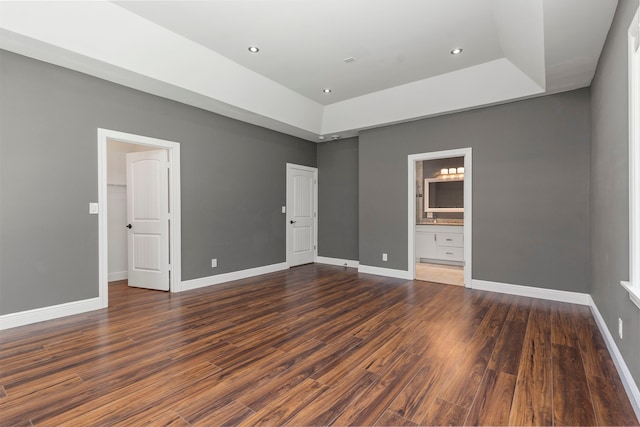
530,189
610,189
338,199
233,181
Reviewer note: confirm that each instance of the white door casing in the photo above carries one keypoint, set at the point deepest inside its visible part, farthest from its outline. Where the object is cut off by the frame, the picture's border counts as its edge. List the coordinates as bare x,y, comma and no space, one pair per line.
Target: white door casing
148,219
468,216
302,201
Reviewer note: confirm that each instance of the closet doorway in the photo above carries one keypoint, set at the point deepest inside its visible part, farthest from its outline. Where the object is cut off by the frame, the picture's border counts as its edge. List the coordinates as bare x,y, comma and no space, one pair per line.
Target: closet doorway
154,261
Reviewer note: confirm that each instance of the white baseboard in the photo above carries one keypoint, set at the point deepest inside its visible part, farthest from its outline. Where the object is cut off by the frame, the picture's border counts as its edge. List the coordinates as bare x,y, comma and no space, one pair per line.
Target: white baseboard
529,291
337,261
118,275
27,317
628,382
388,272
188,285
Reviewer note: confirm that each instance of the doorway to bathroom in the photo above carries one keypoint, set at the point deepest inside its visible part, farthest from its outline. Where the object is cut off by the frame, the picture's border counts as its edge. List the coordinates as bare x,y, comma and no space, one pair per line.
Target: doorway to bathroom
440,217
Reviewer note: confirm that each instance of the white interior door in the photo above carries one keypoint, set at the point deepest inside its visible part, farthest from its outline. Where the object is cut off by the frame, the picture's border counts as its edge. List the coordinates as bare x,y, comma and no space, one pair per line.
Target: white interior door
148,219
301,217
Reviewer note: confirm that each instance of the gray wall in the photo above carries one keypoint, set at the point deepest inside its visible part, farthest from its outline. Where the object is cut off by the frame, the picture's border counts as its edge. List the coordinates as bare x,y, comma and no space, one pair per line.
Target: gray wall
338,199
610,189
530,189
233,181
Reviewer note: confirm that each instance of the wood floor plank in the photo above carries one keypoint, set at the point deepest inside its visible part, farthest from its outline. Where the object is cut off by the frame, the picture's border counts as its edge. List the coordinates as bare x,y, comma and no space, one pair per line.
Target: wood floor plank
562,325
39,401
533,395
443,413
330,404
312,345
468,371
340,368
390,418
388,353
506,355
519,309
428,338
287,405
572,404
492,404
595,354
465,322
397,312
268,368
233,384
416,398
152,418
493,321
26,376
367,409
199,351
257,396
231,414
127,402
610,409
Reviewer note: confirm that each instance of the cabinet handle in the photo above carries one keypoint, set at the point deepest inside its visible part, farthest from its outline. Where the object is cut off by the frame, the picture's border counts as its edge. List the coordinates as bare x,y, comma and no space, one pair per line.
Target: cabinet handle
449,240
449,253
434,238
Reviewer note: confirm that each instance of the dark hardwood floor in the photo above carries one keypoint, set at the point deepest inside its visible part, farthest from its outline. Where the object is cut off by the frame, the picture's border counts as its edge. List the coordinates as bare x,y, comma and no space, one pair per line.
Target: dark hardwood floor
314,345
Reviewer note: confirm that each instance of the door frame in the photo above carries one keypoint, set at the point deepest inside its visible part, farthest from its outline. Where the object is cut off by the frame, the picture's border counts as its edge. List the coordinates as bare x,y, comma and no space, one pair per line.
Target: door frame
315,205
411,197
175,240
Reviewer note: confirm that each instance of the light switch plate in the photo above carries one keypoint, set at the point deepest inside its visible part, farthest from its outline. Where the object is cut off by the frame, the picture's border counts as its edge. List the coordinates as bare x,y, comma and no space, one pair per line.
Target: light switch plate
93,208
284,209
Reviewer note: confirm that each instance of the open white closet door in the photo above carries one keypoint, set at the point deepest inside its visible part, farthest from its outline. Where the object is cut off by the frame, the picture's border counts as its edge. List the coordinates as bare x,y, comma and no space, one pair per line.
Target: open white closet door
148,219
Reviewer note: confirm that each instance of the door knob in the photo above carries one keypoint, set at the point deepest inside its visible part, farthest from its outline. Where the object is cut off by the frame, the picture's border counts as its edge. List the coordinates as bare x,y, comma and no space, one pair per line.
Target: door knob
128,226
292,222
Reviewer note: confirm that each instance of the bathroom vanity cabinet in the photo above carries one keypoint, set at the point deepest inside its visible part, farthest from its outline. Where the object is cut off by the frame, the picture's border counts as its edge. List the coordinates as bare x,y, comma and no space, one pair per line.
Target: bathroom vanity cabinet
442,244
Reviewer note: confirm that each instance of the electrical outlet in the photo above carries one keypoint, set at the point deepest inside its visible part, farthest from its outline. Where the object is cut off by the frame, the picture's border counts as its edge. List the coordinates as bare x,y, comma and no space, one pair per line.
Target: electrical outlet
384,257
620,327
214,262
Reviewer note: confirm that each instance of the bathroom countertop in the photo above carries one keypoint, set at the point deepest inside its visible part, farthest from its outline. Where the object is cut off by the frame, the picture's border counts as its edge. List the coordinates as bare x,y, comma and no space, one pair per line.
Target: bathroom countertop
443,222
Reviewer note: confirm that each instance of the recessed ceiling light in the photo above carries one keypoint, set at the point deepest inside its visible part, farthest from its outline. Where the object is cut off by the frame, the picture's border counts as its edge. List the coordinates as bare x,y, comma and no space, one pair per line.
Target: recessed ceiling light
334,137
321,138
254,49
456,51
326,90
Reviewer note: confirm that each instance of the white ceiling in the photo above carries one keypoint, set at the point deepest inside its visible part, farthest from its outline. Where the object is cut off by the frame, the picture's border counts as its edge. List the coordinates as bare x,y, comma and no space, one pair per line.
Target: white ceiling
304,43
197,52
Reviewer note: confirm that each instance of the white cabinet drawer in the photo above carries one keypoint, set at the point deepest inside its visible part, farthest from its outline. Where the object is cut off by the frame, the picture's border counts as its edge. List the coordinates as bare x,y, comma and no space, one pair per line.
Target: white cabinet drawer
450,239
450,253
